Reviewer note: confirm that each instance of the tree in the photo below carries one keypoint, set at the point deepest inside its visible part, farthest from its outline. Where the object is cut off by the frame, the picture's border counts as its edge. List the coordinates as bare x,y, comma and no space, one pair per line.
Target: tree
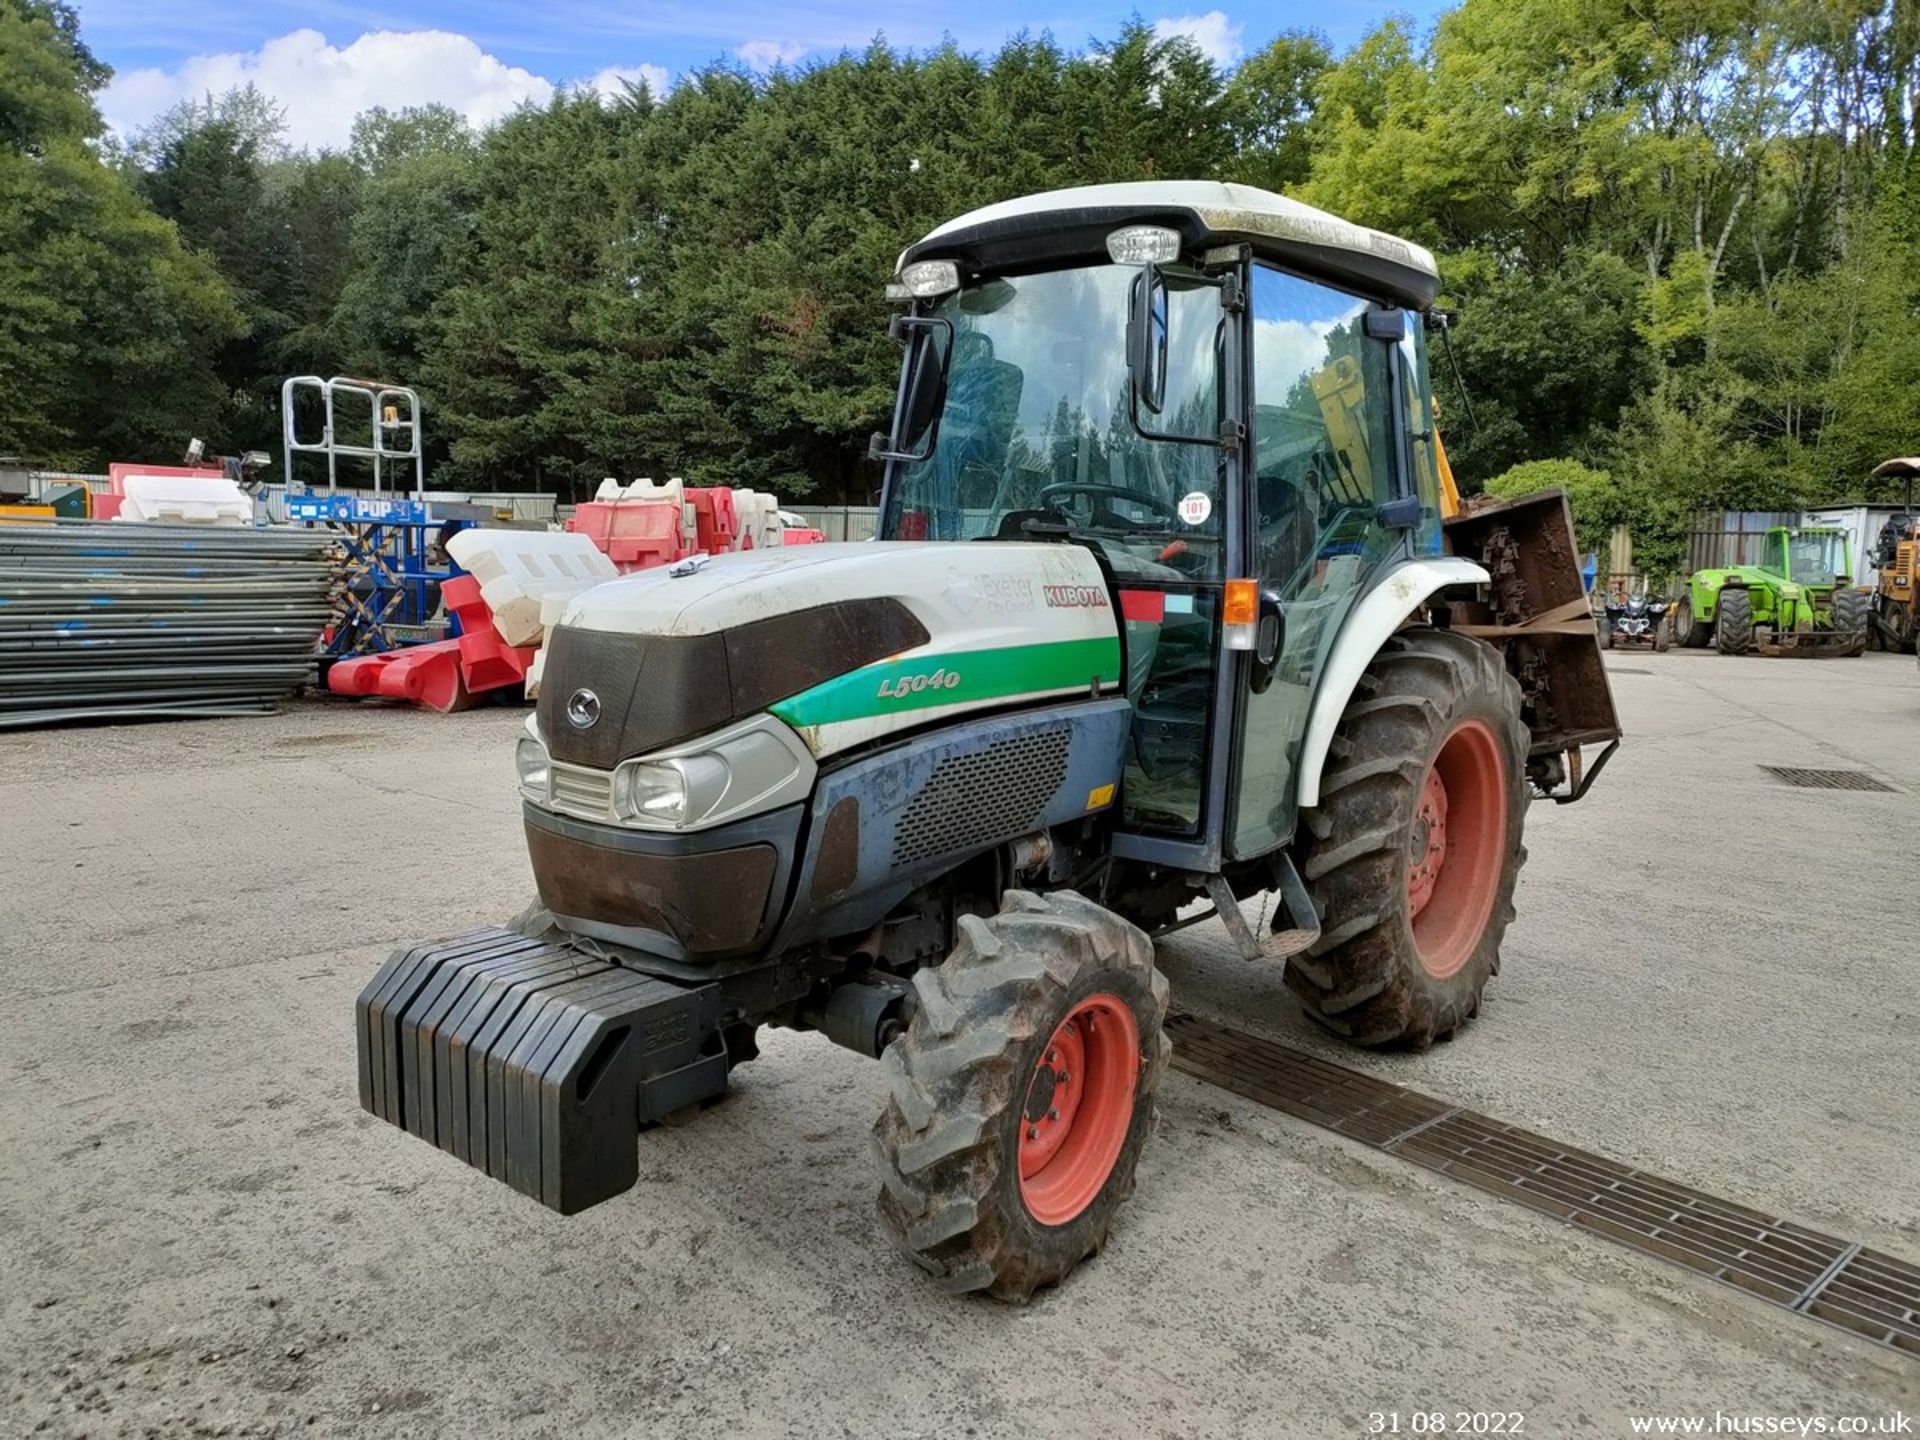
1270,105
1596,501
107,324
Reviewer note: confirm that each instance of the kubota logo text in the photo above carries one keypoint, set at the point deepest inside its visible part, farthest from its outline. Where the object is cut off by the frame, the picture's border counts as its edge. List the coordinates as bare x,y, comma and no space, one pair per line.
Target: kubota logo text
1075,597
899,685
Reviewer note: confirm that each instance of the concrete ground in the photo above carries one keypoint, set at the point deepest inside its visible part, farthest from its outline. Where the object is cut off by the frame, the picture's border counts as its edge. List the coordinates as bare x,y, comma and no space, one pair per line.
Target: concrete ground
200,1232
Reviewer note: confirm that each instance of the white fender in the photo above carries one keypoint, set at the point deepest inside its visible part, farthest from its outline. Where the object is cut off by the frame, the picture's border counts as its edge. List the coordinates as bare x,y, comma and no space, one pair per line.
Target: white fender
1381,611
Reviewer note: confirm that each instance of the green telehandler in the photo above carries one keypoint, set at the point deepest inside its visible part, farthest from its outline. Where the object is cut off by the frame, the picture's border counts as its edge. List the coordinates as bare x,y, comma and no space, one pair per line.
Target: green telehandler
1799,600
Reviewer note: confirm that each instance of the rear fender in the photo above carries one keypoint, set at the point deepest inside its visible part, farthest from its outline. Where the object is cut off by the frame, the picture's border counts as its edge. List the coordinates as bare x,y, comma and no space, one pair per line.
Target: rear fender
1383,610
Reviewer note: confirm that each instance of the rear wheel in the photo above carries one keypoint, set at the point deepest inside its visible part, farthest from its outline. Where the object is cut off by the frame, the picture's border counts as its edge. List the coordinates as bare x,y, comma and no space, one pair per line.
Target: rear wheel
1021,1094
1850,615
1733,623
1606,637
1692,632
1661,637
1412,854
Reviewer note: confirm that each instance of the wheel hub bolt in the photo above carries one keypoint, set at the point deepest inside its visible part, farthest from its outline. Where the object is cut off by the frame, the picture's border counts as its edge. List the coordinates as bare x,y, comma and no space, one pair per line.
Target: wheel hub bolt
1053,1114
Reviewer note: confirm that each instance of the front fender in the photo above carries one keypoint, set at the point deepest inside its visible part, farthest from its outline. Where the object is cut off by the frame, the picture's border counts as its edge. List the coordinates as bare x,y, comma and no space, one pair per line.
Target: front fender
1704,591
1381,611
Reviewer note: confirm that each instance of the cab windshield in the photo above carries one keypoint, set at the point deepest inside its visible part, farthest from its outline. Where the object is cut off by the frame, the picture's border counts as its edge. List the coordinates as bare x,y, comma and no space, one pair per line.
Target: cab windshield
1814,558
1037,427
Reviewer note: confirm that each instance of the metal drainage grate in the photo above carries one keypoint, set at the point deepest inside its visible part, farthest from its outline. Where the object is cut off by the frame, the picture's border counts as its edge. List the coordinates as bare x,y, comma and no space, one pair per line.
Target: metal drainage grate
1826,779
1840,1282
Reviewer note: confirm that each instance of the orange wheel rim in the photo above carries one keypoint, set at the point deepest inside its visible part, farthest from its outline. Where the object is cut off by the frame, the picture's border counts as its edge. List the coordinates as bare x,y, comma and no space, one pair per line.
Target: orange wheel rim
1078,1108
1457,848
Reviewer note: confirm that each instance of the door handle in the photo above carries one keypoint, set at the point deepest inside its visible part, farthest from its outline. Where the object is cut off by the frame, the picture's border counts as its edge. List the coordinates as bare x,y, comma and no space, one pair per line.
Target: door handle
1269,637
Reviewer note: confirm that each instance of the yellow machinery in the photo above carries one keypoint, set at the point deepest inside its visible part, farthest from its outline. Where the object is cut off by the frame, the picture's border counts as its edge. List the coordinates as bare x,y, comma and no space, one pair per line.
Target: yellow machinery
1896,553
57,502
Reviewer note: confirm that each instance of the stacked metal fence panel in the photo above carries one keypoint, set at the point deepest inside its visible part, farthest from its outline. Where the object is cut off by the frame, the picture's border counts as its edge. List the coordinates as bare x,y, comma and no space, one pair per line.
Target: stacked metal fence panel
101,619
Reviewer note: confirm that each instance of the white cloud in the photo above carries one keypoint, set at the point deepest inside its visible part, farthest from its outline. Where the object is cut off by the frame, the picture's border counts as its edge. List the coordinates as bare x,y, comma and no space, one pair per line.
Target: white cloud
1216,37
323,86
611,82
766,54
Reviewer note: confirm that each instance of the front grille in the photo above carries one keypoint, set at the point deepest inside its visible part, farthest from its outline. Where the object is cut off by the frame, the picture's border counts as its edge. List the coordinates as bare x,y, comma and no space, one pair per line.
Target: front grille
1826,779
578,790
991,794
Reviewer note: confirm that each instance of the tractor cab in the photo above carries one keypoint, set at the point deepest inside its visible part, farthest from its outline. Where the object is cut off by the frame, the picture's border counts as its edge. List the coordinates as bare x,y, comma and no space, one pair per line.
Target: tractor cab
1221,394
1811,559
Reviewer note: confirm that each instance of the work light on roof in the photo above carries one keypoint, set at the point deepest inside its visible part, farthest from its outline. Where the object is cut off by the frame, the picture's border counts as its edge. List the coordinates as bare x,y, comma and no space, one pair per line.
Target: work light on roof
925,279
1144,245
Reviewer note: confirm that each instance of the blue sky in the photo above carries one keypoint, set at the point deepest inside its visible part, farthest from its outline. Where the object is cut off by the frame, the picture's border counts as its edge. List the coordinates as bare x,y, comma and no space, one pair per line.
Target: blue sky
325,59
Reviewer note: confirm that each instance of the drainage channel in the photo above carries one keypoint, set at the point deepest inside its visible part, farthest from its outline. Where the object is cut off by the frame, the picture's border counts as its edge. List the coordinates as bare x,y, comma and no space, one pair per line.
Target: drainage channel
1843,1283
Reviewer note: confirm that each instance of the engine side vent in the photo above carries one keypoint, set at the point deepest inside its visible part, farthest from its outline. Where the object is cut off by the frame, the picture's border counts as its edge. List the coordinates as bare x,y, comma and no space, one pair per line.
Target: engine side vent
989,795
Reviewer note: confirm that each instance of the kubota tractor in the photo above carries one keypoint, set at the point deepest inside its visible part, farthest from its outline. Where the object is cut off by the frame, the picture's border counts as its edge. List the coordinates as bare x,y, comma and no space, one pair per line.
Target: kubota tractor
1162,615
1799,600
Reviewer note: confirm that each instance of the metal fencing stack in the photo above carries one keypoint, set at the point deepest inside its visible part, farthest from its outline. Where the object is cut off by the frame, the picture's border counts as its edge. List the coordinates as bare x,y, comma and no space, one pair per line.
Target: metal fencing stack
103,620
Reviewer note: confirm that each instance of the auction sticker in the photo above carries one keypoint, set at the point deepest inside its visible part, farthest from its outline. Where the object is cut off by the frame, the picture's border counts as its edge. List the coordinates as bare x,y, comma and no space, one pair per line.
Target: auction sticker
1195,507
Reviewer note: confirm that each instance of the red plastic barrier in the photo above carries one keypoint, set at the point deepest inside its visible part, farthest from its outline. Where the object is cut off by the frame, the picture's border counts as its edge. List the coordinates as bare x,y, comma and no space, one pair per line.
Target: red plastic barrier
424,674
716,525
634,534
486,661
803,537
443,675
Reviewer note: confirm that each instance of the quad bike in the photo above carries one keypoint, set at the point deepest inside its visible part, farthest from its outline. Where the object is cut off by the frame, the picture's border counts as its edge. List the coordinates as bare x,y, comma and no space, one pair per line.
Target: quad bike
1635,620
1167,605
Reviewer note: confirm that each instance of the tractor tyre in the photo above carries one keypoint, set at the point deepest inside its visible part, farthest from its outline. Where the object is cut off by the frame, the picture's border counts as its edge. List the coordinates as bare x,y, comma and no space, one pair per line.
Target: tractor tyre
1692,633
1733,624
1849,614
1412,853
1021,1094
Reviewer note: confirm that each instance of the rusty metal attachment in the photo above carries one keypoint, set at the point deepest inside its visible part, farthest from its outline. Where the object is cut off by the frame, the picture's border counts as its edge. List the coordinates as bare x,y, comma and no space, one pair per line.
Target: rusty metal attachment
1537,610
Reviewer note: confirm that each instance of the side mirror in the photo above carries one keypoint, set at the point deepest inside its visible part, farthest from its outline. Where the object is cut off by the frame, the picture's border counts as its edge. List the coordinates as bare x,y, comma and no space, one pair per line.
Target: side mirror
923,386
1147,338
926,385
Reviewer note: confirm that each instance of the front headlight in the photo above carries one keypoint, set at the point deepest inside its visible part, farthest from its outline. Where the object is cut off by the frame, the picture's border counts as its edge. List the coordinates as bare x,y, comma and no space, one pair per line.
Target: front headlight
651,794
753,767
535,769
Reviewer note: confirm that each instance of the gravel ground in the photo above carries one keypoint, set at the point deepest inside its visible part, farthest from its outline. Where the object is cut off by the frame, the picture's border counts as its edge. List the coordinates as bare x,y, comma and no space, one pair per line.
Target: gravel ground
201,1233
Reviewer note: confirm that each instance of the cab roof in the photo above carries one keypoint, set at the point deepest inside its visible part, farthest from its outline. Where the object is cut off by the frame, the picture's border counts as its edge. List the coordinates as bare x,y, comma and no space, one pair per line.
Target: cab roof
1063,226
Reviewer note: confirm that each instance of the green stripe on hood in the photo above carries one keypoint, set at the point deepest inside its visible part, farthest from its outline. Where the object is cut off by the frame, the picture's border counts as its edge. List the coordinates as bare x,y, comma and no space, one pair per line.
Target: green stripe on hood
922,681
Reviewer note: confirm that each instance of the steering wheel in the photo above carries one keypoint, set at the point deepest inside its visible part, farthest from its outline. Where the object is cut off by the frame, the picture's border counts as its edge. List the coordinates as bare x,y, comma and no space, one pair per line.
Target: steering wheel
1125,492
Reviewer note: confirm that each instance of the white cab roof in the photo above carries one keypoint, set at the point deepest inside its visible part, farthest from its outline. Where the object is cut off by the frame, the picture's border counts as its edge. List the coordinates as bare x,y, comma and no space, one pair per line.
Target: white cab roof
1228,210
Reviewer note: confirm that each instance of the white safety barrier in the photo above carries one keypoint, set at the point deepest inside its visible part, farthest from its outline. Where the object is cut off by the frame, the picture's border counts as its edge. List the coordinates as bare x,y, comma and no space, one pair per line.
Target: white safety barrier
185,500
521,571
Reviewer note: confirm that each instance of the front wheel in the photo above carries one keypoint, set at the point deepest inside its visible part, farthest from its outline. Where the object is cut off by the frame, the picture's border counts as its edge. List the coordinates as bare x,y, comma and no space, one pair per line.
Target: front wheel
1412,854
1849,615
1733,624
1021,1094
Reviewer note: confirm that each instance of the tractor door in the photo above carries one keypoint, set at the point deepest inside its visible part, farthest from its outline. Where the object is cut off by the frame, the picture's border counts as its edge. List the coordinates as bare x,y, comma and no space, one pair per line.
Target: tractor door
1773,553
1333,404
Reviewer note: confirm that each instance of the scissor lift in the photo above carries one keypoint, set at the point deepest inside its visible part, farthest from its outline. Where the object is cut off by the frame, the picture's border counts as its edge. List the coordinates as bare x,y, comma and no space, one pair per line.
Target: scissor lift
395,560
